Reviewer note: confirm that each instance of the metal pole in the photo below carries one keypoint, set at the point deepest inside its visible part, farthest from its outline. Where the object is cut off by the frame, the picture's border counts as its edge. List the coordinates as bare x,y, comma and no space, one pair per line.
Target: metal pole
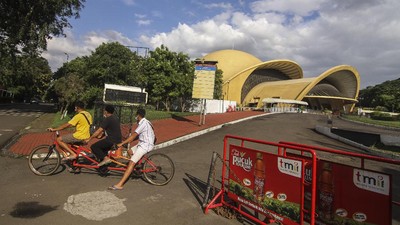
210,174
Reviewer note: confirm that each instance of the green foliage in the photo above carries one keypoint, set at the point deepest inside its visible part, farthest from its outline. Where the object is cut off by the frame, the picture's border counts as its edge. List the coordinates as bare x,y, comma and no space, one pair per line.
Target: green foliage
218,85
385,95
91,95
363,119
382,116
109,63
31,79
69,89
25,26
170,77
287,209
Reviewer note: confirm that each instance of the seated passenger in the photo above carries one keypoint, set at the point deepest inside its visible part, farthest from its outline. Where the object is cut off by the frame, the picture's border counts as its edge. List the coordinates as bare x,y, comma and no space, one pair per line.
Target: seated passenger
112,129
145,133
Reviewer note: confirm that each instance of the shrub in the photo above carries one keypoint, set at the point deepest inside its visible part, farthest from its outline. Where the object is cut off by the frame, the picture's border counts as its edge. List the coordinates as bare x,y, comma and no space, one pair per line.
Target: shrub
382,116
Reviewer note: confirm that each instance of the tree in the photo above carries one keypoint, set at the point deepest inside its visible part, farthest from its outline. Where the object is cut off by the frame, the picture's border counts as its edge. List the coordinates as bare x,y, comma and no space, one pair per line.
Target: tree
183,80
385,95
170,77
32,78
109,63
25,26
218,85
69,89
138,77
77,66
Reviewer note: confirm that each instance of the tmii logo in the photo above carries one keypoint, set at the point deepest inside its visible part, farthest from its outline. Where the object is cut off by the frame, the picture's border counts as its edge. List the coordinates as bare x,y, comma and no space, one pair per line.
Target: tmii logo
371,181
290,167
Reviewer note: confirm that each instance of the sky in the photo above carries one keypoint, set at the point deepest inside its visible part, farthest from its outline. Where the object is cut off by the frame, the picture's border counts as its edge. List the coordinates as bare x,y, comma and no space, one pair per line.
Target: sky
316,34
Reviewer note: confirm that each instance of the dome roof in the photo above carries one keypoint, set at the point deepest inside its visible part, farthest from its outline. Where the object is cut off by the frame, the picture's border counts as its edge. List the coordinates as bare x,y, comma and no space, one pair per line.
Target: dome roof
232,62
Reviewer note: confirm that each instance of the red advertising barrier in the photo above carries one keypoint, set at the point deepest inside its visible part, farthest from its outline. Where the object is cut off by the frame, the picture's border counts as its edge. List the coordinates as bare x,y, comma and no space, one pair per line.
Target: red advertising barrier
261,181
269,183
288,184
351,194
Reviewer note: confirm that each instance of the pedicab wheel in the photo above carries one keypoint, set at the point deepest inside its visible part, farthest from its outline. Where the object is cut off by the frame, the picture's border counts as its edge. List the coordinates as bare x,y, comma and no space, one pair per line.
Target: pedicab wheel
44,160
158,169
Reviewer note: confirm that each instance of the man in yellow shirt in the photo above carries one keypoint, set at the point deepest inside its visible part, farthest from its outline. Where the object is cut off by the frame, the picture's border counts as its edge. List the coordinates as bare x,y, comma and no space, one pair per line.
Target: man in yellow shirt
81,121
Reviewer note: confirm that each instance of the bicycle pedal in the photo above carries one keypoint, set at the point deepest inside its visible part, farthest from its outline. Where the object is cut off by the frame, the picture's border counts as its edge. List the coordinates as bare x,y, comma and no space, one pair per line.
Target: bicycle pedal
90,155
138,167
137,173
81,160
74,170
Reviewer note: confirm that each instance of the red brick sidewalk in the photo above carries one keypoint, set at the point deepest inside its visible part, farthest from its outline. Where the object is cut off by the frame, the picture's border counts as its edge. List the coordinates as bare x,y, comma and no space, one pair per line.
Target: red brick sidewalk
166,129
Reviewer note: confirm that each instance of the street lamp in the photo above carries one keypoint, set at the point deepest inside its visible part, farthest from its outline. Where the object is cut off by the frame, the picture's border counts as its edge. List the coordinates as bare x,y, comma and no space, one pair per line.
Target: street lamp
66,66
67,56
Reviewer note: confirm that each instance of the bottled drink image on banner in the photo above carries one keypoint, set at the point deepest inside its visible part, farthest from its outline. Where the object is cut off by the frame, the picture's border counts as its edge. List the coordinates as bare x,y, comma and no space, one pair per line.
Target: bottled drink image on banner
259,178
326,193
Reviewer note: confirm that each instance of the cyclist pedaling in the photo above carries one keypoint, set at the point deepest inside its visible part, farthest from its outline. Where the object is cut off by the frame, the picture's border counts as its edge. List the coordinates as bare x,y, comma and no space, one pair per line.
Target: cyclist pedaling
145,134
81,121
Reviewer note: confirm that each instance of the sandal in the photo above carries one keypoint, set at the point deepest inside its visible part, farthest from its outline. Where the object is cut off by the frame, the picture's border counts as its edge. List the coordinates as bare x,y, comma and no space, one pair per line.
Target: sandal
115,188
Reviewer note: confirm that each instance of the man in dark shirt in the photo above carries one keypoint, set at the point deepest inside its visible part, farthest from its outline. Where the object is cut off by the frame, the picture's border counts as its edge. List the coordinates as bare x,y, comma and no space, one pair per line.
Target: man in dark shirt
111,128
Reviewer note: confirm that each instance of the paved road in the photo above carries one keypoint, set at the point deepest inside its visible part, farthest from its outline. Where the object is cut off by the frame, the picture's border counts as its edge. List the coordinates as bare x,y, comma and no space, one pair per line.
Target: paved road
16,117
29,199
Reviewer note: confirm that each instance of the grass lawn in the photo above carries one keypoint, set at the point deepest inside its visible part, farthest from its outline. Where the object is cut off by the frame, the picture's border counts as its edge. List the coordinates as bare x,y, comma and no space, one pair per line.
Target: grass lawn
150,115
395,124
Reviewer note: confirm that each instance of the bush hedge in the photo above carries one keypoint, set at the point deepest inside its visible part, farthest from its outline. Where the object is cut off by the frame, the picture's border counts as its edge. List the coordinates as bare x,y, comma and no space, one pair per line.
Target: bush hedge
383,116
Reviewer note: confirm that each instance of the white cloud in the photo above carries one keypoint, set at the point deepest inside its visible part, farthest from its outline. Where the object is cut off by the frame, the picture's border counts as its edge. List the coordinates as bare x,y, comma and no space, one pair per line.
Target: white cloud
129,2
222,5
302,8
140,16
317,34
60,48
143,22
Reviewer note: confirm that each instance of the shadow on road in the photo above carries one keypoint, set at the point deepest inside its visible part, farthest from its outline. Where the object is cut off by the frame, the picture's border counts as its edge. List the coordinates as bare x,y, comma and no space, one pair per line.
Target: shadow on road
180,118
197,187
31,210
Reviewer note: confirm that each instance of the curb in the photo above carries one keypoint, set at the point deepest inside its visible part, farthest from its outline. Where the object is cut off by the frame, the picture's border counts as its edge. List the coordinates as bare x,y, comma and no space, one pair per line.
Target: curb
368,124
4,150
327,132
198,133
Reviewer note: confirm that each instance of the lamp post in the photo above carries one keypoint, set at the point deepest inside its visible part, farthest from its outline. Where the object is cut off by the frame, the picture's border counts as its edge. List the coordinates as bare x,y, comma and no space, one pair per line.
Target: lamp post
66,65
66,54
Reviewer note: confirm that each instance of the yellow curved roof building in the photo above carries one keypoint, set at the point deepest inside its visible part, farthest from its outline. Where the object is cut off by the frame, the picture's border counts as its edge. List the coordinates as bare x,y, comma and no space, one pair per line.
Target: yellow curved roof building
247,80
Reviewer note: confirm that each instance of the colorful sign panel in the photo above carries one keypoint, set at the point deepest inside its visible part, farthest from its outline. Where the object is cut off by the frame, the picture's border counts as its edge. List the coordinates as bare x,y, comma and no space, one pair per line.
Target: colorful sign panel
349,195
204,79
266,182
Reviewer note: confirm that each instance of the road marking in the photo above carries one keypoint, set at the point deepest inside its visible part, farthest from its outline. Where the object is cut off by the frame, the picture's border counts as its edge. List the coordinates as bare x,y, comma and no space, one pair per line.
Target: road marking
6,130
96,205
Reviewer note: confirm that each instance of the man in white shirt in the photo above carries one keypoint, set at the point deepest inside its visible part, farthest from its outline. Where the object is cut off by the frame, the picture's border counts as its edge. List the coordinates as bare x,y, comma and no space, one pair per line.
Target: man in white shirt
145,133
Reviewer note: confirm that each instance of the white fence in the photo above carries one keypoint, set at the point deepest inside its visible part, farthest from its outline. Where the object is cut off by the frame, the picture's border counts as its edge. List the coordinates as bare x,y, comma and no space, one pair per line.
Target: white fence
215,106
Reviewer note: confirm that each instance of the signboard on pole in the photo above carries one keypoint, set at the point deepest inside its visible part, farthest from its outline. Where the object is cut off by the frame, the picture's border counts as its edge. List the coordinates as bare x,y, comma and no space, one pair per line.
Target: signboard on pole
204,79
127,94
